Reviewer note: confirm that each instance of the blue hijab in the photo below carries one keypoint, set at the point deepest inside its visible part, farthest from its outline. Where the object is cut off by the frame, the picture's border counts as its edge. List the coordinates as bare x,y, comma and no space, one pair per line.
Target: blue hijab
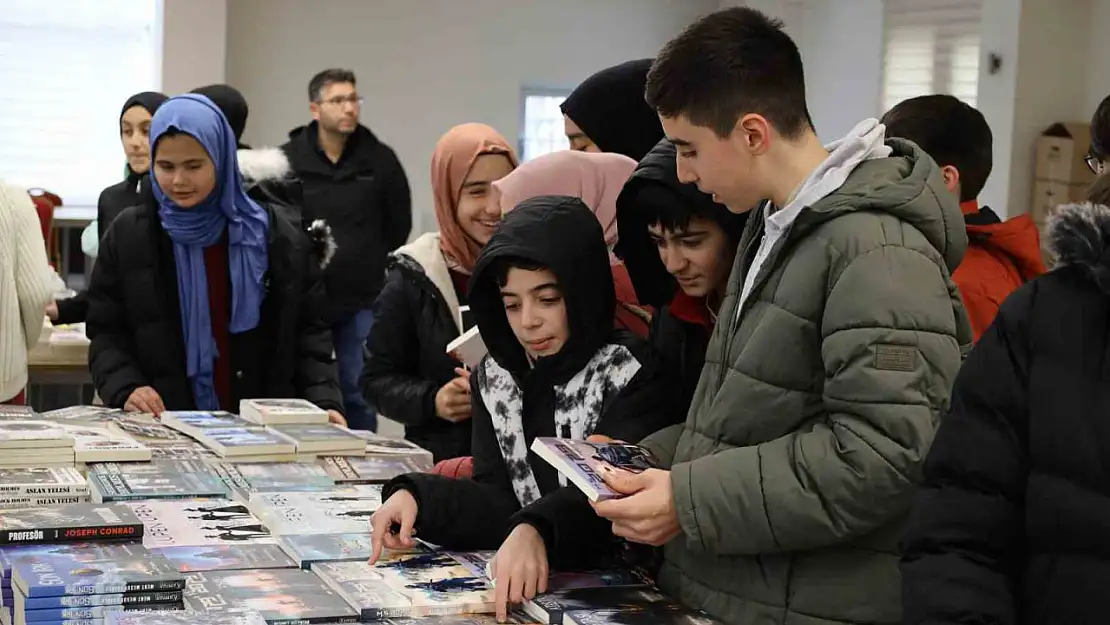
226,209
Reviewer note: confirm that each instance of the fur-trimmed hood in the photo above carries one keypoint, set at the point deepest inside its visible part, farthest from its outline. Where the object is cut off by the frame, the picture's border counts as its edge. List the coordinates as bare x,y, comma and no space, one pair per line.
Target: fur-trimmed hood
268,177
1079,235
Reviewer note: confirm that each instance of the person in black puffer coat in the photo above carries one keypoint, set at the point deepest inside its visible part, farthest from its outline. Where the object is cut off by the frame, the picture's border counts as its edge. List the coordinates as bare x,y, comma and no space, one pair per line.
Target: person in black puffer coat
678,245
134,126
140,354
1012,524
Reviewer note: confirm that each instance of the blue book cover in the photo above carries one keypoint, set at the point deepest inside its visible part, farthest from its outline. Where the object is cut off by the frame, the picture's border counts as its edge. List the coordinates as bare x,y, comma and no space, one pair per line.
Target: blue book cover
83,601
189,559
61,575
80,552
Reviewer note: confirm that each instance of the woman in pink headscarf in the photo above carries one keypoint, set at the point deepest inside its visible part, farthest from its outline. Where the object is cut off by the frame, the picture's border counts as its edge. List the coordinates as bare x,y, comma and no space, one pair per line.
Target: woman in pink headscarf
596,178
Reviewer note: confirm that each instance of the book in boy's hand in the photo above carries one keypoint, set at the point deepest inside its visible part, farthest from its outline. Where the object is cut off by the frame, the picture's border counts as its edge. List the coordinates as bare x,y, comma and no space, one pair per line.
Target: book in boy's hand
582,462
468,348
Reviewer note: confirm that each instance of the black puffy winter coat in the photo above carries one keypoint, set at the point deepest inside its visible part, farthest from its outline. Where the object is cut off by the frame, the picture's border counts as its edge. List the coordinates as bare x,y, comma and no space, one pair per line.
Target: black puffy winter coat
406,353
134,322
1013,522
602,381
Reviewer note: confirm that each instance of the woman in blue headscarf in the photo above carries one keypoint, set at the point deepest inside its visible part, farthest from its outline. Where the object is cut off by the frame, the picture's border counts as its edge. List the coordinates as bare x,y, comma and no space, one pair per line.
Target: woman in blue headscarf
202,296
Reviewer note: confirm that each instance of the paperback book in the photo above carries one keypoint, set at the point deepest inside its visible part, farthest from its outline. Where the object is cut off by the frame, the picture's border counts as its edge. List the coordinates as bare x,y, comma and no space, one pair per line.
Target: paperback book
564,606
27,434
131,486
411,585
321,438
80,522
91,615
78,552
282,596
83,414
147,431
261,477
195,422
38,604
22,503
198,523
278,411
230,442
98,443
41,482
55,576
384,446
185,618
227,557
157,466
338,511
369,470
309,549
582,463
16,413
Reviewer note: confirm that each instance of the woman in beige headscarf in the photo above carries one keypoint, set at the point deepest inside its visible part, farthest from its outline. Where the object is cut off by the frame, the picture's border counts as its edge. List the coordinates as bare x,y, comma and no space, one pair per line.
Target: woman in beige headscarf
597,179
408,376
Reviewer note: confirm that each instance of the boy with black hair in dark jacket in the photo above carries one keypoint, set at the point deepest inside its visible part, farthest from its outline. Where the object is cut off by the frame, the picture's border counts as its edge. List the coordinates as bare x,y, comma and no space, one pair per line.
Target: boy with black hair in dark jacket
556,367
678,245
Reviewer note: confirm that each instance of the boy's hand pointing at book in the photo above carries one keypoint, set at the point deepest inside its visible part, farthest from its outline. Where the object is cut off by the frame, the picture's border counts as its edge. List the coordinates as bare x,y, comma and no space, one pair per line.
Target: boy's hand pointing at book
646,513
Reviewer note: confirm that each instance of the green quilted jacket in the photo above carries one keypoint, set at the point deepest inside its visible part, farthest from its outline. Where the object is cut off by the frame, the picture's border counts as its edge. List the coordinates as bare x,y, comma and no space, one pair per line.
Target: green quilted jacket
797,464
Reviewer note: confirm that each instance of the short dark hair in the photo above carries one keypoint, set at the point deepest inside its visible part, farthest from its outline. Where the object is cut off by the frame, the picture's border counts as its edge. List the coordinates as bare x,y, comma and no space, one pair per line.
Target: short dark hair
1100,131
503,265
953,132
328,77
729,64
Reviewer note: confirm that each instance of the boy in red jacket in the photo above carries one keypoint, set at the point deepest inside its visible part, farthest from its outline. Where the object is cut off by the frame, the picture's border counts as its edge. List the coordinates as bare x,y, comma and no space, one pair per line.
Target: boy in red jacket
1001,255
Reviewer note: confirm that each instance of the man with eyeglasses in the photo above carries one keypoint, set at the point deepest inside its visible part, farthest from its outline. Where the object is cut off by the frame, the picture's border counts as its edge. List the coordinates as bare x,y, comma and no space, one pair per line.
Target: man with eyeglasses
354,182
1098,155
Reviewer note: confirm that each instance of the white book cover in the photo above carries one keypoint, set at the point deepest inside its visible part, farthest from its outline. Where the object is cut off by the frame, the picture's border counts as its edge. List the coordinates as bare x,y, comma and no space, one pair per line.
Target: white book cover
198,523
36,434
93,443
468,348
195,422
41,482
321,438
230,442
582,462
274,411
336,511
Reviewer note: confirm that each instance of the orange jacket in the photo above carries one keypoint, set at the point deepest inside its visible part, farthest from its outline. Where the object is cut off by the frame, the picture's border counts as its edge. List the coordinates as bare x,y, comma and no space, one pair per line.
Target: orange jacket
1001,256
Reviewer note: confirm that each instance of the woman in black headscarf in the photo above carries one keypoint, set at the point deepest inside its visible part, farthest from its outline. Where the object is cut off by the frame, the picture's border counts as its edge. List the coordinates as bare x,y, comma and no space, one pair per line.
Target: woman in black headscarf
607,112
134,128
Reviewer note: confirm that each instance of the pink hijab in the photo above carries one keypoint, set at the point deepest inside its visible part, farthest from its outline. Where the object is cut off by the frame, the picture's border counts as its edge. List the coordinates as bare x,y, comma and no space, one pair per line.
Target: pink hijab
596,178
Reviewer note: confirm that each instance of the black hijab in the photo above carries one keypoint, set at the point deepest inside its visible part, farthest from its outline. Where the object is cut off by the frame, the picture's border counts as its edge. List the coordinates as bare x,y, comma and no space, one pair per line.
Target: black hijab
231,103
149,100
610,108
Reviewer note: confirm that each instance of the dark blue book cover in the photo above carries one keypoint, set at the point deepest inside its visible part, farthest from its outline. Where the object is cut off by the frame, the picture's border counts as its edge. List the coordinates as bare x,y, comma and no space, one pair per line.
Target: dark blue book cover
81,552
82,601
62,575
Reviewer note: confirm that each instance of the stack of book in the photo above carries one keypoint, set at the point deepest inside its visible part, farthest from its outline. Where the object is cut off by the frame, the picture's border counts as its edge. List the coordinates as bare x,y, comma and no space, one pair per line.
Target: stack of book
99,443
198,523
34,443
69,523
32,487
280,595
128,485
382,447
370,470
162,441
63,587
321,439
248,445
195,422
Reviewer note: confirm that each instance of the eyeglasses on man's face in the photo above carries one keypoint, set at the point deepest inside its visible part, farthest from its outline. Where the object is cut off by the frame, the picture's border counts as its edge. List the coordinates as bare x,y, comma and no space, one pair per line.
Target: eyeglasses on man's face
1095,164
353,100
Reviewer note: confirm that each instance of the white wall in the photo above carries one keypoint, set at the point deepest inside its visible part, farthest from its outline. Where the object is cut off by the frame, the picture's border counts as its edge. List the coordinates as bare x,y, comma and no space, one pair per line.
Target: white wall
194,44
1098,55
426,65
996,93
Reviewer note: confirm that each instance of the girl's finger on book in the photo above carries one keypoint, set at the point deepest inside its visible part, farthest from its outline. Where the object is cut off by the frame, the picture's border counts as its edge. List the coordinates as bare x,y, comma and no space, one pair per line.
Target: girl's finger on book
501,598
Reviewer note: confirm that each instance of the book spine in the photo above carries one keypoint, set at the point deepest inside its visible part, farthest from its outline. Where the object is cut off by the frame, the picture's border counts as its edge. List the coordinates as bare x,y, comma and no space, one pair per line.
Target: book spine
117,588
127,531
24,503
84,601
38,490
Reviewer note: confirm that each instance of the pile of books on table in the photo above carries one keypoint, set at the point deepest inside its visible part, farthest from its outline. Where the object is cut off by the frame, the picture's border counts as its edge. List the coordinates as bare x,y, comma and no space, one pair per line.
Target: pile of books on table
247,519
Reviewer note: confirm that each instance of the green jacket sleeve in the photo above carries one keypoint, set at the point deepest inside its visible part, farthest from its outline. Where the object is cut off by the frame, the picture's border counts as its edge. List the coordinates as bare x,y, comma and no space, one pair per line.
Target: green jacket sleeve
891,353
663,443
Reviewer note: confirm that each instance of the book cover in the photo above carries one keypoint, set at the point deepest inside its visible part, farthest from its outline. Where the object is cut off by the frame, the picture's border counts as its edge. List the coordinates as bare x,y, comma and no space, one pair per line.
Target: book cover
227,557
83,414
581,462
190,450
130,486
383,445
370,470
88,601
157,466
273,411
54,576
280,595
308,549
338,511
275,476
192,422
435,590
94,615
145,430
468,348
99,443
41,481
320,437
552,607
186,618
244,442
79,522
198,522
78,552
16,434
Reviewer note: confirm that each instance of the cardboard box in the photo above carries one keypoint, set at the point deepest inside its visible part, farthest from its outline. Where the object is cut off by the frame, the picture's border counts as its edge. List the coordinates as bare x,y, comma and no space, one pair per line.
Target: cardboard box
1048,194
1061,150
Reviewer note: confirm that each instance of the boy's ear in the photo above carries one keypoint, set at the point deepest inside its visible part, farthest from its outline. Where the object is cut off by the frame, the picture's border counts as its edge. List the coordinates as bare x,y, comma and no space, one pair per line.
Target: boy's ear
951,178
754,131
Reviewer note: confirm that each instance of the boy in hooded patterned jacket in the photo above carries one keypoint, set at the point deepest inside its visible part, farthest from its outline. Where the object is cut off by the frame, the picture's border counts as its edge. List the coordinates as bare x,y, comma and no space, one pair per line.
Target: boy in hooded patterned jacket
542,296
